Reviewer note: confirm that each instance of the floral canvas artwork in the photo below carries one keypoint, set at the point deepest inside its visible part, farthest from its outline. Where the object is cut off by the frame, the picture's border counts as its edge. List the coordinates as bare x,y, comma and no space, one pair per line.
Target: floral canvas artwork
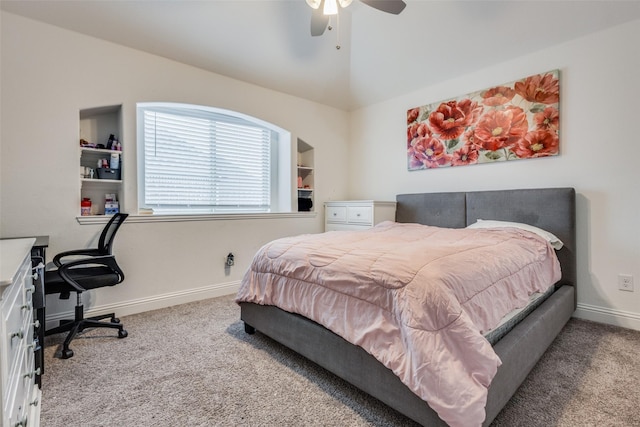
518,120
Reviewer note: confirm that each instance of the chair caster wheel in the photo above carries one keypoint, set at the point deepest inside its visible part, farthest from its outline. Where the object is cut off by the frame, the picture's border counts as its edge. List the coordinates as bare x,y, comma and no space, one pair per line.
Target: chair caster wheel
122,333
66,354
115,320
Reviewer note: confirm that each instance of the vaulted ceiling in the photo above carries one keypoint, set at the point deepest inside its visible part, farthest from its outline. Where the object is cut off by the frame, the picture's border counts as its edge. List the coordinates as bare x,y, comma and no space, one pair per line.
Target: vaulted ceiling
267,42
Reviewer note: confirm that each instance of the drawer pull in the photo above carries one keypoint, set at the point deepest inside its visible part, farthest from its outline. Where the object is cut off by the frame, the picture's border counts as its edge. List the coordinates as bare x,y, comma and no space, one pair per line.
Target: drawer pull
21,423
36,271
31,288
335,214
27,306
36,324
357,214
35,345
19,335
32,373
35,402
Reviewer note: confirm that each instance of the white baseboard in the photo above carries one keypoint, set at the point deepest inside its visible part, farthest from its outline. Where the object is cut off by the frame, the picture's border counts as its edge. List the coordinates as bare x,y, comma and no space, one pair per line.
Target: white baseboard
609,316
154,302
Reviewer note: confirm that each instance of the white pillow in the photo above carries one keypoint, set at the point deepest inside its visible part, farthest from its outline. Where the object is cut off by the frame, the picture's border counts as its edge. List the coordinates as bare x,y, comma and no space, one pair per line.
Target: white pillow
549,237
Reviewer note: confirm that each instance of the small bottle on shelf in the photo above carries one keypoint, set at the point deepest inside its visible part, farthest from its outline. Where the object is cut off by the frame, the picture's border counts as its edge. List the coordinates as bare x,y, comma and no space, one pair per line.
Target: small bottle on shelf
85,207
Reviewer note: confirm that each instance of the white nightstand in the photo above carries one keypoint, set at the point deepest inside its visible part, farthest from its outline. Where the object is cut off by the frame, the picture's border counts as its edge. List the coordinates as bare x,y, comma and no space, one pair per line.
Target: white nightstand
357,214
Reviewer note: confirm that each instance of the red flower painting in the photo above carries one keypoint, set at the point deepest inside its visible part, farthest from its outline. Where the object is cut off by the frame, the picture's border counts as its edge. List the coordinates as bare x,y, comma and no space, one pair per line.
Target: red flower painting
452,118
518,120
542,88
501,128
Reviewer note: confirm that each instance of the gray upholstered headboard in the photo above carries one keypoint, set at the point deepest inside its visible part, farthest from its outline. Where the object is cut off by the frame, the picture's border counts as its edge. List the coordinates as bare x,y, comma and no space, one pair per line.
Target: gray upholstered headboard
552,209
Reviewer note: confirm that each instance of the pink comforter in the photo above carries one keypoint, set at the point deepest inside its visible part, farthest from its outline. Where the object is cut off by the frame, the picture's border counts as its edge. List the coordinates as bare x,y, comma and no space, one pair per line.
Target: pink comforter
417,298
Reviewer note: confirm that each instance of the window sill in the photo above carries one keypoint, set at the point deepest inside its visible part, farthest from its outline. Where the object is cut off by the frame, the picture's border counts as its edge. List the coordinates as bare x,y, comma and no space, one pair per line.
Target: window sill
103,219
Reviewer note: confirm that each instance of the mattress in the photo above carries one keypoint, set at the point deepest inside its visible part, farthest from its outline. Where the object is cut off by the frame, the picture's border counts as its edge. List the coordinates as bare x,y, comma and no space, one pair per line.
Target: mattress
509,321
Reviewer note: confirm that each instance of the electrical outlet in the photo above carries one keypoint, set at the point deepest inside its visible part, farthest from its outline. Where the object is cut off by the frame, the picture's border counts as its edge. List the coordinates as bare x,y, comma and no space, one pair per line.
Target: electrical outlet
230,260
625,282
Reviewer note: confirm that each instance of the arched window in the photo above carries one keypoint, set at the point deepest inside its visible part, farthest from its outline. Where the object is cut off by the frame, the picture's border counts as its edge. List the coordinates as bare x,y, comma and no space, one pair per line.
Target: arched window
202,160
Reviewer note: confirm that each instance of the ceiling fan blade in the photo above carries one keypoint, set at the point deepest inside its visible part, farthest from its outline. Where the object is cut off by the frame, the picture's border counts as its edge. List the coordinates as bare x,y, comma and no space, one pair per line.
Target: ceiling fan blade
389,6
319,20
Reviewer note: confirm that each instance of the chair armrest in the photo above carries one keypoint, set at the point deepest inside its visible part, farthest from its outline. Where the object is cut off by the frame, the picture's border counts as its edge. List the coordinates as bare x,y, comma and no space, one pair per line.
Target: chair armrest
76,252
66,270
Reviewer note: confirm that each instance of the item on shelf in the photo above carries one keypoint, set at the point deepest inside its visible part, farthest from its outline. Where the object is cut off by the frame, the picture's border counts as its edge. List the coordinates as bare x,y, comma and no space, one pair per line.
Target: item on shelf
111,208
299,182
85,206
304,204
111,205
114,163
112,140
86,172
108,173
87,144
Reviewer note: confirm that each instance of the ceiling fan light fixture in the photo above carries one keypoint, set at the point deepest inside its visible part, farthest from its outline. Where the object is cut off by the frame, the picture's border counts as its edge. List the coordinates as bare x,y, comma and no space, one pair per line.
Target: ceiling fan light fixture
314,3
330,7
344,3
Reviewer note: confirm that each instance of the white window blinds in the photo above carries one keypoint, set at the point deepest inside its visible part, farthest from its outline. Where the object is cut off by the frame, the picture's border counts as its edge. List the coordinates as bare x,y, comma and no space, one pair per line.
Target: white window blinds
200,161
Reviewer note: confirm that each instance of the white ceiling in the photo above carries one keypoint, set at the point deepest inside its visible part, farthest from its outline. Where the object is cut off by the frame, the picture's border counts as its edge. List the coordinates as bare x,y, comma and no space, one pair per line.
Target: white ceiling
267,42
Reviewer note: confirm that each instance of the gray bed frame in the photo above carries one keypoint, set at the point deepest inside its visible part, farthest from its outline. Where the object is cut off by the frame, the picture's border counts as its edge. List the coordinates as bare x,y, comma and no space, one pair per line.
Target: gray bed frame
552,209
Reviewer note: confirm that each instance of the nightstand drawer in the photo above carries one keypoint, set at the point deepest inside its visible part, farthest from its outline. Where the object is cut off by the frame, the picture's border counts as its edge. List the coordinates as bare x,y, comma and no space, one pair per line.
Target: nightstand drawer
360,214
357,214
336,213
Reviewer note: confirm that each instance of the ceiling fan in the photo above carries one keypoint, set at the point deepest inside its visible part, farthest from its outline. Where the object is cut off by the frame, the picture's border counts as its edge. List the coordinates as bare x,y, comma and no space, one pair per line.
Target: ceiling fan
324,9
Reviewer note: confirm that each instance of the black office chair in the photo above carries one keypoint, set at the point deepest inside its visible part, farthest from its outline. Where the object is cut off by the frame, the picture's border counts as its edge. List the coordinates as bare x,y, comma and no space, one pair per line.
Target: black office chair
86,269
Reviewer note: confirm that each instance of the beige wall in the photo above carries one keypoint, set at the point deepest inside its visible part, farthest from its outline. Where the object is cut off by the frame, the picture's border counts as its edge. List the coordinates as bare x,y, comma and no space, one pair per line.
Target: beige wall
599,157
49,74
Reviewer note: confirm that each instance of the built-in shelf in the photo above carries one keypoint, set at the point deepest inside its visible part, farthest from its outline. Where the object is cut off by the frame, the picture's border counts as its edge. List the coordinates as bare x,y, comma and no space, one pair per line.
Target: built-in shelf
305,176
102,181
96,125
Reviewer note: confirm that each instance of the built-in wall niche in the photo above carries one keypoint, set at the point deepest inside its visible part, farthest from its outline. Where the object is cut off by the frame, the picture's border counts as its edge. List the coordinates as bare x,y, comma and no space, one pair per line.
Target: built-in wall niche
96,151
305,178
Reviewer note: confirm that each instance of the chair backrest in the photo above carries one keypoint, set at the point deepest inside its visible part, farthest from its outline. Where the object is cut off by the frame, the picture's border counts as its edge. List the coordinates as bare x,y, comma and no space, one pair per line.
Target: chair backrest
109,233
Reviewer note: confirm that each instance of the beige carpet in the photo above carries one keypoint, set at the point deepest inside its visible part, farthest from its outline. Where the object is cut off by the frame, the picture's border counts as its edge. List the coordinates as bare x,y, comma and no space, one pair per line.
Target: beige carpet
193,365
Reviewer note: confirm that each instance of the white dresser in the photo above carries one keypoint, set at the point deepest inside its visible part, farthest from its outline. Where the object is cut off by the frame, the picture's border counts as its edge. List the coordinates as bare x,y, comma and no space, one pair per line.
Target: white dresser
20,395
357,214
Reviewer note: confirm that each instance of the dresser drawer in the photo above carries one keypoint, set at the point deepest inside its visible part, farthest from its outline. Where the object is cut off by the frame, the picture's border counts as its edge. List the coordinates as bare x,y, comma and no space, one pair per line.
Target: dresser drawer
16,405
336,213
360,215
23,391
15,320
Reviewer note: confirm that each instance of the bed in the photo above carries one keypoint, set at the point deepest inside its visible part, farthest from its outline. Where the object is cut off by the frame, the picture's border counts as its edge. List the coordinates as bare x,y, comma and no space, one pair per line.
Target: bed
550,209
